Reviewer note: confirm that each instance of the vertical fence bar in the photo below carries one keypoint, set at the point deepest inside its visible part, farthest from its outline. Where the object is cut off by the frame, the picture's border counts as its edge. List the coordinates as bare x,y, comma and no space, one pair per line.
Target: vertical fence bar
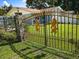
50,42
48,31
50,34
61,31
58,29
35,38
41,36
64,32
38,32
33,33
72,35
68,31
45,28
55,35
41,30
76,44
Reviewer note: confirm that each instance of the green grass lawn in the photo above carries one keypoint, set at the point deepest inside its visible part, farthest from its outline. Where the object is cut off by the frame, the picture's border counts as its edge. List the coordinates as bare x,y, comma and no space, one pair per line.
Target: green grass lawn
62,29
26,50
7,53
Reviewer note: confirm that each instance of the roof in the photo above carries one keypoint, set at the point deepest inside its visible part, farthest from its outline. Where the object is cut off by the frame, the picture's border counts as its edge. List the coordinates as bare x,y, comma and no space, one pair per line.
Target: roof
32,11
22,10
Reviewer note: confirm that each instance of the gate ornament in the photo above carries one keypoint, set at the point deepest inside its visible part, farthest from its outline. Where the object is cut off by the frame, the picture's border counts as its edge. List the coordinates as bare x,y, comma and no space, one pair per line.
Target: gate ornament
53,25
37,24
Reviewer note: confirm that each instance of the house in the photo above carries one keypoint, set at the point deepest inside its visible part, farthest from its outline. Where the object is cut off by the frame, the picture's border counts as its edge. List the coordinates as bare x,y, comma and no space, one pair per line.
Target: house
22,10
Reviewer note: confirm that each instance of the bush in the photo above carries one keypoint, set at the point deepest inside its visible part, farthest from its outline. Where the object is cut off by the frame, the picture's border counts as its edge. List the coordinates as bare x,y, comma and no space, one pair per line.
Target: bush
1,35
8,36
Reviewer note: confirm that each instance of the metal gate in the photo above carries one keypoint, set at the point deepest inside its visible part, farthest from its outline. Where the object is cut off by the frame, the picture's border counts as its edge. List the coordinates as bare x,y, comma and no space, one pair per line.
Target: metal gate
53,29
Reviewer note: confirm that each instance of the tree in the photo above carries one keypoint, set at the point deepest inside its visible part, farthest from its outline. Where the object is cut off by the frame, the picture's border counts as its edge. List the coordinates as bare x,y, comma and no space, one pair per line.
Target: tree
65,4
1,11
37,4
6,8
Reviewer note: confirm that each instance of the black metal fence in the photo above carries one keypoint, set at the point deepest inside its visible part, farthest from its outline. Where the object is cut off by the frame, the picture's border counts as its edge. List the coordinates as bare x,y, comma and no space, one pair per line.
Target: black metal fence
57,30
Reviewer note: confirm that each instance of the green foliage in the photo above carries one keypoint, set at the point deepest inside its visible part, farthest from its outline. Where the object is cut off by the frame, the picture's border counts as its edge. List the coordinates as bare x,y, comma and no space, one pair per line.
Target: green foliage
36,4
43,3
6,9
26,27
1,11
64,4
1,34
7,36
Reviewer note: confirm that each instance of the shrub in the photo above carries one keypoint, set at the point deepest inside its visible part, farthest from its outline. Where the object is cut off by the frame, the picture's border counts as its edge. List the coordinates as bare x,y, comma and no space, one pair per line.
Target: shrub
8,36
1,35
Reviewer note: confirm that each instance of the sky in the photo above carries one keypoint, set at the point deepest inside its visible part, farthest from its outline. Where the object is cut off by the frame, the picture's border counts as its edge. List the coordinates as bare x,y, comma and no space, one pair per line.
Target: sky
15,3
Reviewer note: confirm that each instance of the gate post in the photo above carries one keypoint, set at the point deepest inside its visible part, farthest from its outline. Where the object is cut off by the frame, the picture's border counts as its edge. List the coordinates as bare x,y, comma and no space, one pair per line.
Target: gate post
18,37
17,25
44,17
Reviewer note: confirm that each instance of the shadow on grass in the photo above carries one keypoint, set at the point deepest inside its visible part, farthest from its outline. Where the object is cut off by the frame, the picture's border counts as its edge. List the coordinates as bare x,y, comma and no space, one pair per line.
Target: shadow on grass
5,42
37,56
18,52
52,51
24,56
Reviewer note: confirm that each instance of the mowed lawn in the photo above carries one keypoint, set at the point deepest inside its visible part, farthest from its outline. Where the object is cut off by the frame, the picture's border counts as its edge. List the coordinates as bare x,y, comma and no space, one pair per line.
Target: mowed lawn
25,50
22,51
62,39
7,53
